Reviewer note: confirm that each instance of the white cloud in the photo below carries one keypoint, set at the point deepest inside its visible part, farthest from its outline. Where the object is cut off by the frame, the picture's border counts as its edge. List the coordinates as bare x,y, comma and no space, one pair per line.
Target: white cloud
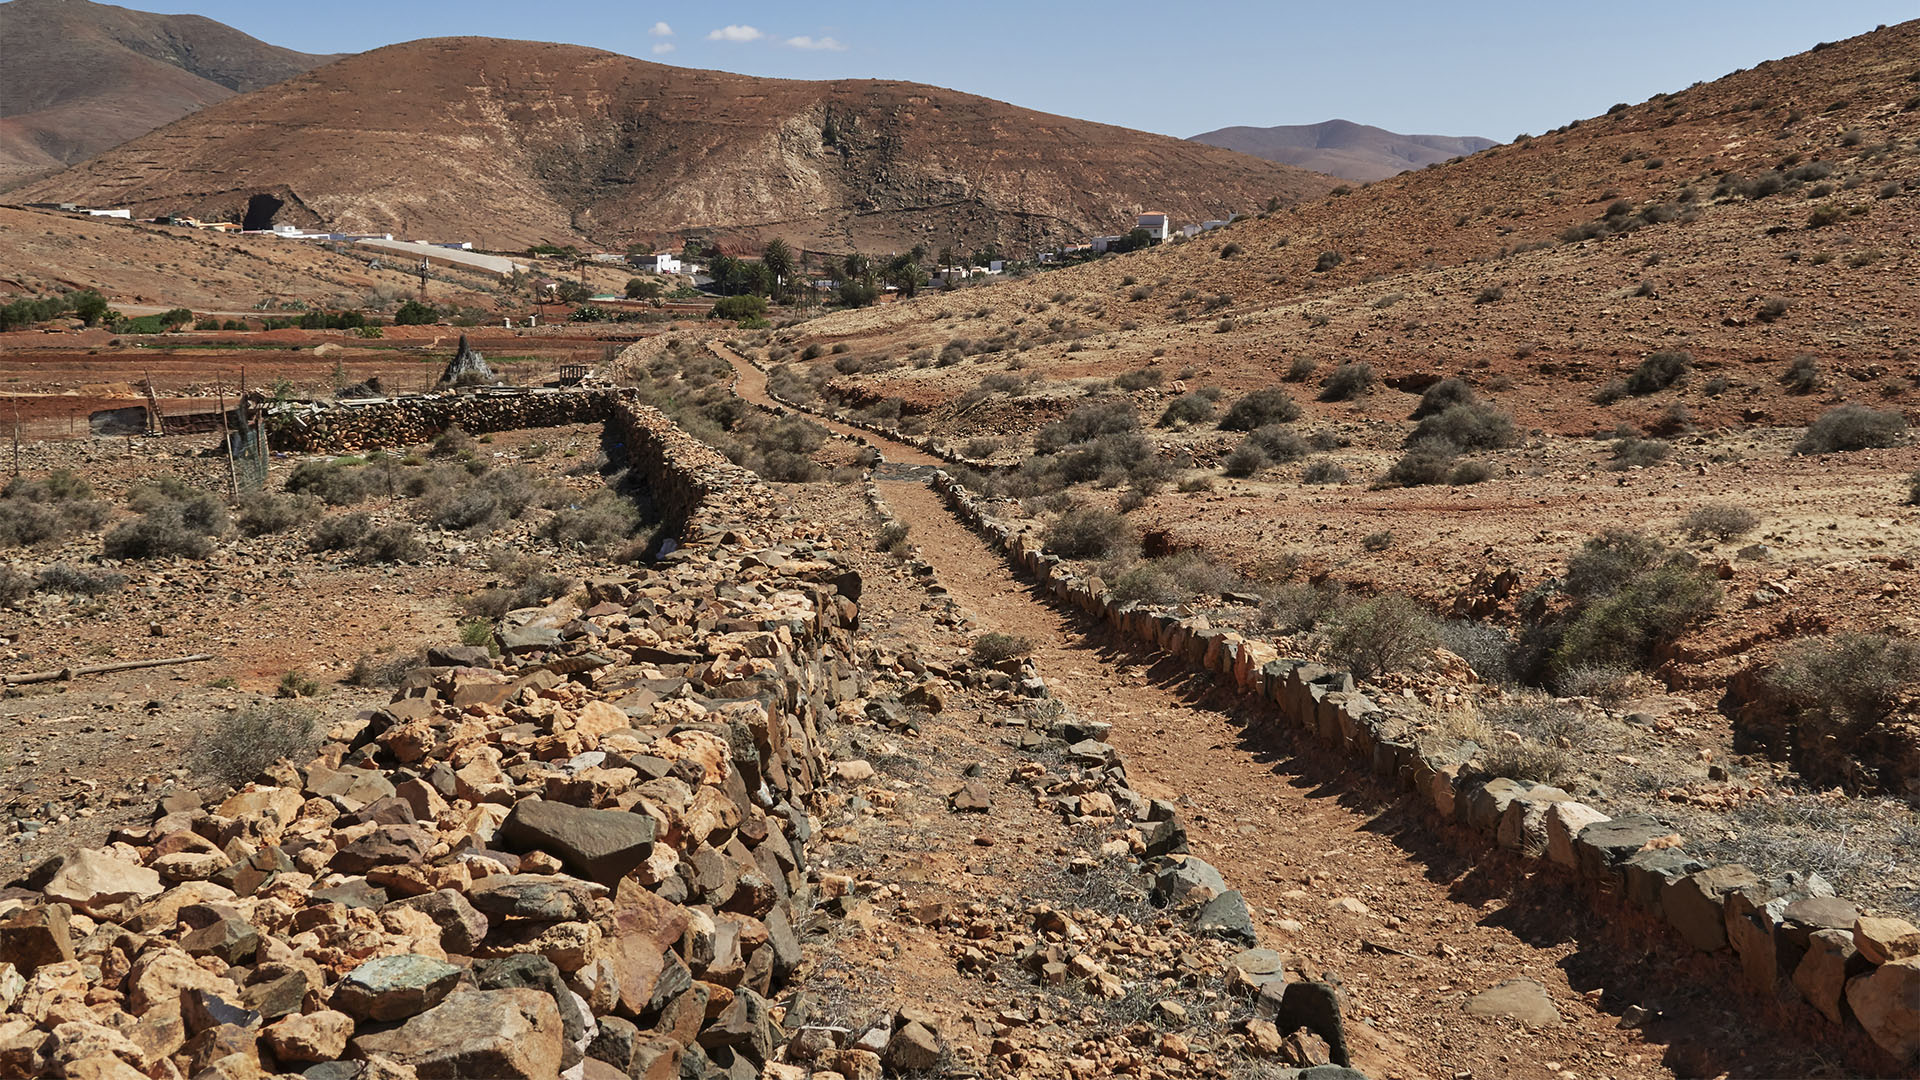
735,33
826,43
663,48
661,29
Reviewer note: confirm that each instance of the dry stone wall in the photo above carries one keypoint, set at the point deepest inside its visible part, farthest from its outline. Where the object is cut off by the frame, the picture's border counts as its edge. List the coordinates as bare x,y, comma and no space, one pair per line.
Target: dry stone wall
585,856
331,428
1856,969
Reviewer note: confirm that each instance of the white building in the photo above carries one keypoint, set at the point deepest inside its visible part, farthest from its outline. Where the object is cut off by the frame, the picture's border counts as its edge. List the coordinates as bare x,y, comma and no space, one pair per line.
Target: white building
1156,223
494,264
659,263
126,214
1103,243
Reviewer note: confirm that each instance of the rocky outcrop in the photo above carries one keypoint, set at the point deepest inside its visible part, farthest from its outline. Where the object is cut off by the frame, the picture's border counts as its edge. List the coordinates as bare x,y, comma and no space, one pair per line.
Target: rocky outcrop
589,854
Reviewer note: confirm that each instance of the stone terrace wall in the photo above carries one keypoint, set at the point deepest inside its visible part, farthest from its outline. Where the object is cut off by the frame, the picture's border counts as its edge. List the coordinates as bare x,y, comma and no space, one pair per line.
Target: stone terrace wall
1856,970
334,428
594,846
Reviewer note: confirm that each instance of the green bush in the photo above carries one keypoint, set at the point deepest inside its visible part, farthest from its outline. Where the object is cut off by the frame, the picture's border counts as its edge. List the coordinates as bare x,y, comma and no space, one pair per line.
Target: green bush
1853,427
736,308
1259,409
1347,382
1087,533
1385,634
1622,625
415,313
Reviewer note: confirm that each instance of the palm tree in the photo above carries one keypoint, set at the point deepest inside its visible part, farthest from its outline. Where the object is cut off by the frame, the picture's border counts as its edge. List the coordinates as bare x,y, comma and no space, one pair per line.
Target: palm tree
777,257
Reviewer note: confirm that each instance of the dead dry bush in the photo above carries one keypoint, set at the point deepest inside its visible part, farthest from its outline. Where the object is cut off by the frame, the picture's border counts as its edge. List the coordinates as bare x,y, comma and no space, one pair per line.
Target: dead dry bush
383,668
237,746
36,510
1386,634
264,513
1721,521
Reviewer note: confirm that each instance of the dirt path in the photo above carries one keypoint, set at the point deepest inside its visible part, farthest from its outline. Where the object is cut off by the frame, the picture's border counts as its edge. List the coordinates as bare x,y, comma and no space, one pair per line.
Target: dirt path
1348,882
751,384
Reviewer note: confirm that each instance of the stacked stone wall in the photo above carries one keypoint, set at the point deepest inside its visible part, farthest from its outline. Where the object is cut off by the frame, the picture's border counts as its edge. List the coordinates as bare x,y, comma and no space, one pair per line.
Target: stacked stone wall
1785,935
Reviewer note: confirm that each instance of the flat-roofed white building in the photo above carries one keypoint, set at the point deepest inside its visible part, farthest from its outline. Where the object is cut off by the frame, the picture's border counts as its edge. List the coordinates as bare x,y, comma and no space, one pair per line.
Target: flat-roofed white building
1156,223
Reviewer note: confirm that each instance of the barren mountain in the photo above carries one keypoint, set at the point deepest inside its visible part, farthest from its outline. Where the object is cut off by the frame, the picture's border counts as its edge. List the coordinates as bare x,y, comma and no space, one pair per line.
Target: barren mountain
81,77
507,143
1343,148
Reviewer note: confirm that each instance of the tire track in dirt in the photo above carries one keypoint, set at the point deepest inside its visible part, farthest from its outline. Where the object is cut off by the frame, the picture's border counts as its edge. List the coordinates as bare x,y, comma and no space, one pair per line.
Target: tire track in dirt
1304,841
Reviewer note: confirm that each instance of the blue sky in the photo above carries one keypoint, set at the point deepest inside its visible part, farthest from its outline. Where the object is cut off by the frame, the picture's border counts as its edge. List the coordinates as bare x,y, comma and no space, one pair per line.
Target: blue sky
1490,69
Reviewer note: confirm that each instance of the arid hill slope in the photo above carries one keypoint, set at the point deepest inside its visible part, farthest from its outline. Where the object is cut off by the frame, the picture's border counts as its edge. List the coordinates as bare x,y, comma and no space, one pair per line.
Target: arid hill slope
1748,221
506,143
80,77
1343,148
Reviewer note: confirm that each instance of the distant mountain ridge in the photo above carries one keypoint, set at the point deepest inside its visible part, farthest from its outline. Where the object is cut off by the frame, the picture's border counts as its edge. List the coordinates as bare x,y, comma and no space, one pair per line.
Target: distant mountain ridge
1343,148
80,77
512,143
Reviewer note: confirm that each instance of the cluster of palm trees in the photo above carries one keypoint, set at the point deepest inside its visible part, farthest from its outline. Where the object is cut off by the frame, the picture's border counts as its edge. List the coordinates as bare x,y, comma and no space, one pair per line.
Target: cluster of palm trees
861,278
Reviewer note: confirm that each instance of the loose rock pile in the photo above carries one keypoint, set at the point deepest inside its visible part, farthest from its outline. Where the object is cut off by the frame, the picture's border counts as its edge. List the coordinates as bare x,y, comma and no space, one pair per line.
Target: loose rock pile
585,858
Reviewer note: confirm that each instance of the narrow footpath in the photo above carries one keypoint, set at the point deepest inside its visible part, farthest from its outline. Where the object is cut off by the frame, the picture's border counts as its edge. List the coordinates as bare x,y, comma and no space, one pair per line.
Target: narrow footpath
1354,881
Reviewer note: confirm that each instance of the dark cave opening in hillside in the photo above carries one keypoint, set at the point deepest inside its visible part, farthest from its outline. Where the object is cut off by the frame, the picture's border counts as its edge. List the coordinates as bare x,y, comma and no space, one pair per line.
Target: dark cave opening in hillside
260,211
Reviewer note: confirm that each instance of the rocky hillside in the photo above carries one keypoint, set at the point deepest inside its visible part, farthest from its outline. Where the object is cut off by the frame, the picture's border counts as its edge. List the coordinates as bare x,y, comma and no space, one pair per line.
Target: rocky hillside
1746,222
81,77
508,143
1343,148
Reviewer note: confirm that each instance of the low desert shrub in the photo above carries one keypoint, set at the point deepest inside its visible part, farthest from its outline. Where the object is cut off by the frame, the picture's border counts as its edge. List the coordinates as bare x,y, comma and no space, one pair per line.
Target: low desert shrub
598,524
159,533
453,443
1087,533
1442,396
35,510
1297,607
1260,408
1913,489
239,745
297,684
1630,592
1140,378
1612,685
1347,382
1722,521
1467,473
997,648
1301,369
1323,471
70,580
1659,371
263,513
1634,451
1853,427
1085,424
1842,680
1386,634
383,669
1802,375
893,538
337,481
1187,410
1278,443
1245,460
341,532
1467,426
1426,462
14,587
1485,647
